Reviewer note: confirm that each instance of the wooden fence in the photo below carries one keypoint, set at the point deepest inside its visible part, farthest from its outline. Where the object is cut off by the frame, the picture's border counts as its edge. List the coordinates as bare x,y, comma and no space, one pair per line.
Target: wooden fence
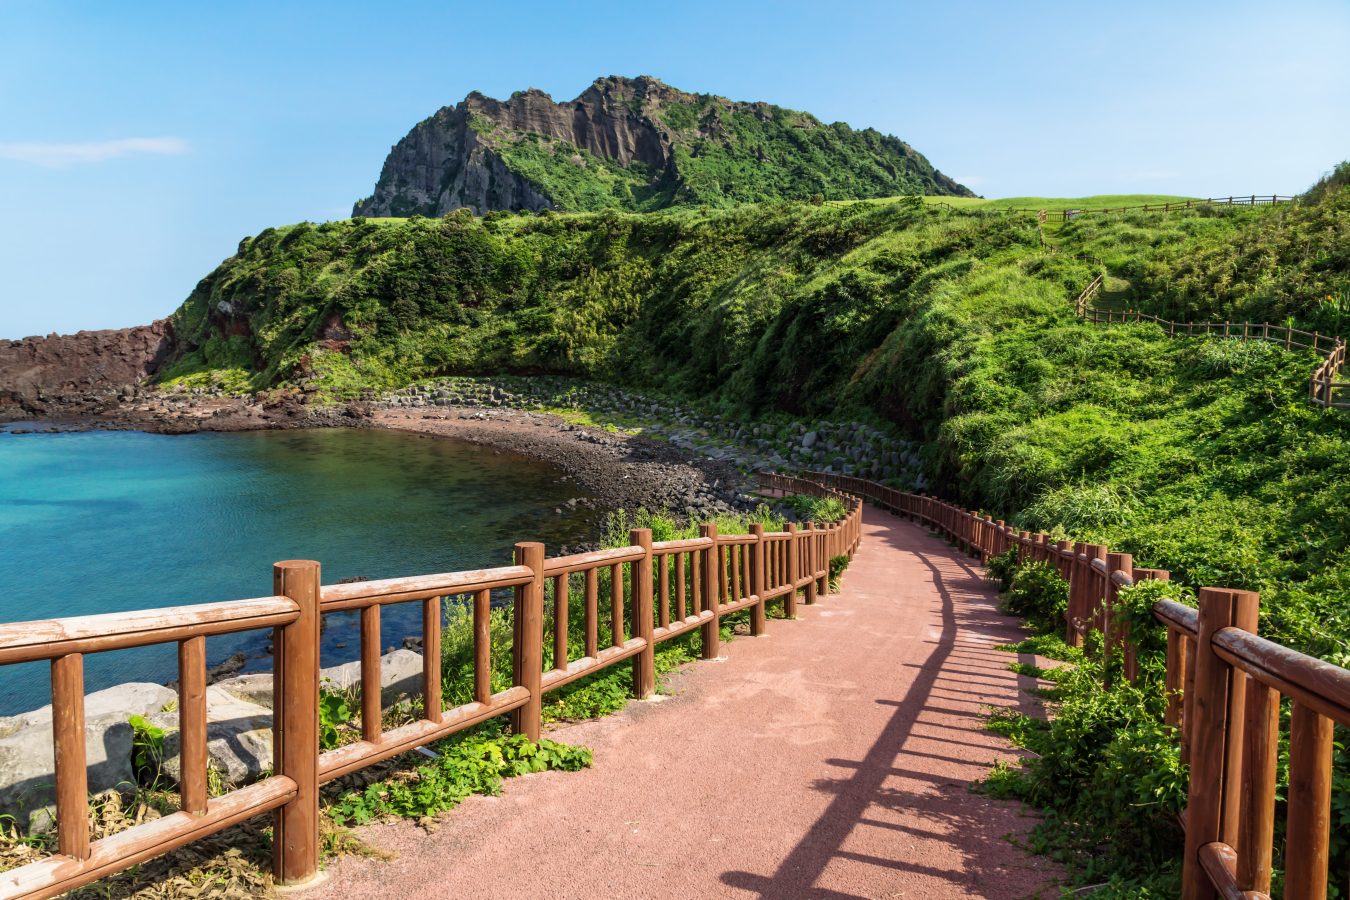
1064,215
670,588
1225,685
1324,388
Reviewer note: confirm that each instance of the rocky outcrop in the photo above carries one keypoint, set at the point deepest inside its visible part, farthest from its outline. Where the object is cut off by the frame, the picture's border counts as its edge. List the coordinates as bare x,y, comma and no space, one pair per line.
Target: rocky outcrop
485,154
89,368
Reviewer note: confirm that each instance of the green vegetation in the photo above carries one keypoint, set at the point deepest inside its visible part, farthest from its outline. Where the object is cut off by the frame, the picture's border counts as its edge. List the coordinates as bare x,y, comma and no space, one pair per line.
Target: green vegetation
1103,768
821,510
948,326
1099,201
476,763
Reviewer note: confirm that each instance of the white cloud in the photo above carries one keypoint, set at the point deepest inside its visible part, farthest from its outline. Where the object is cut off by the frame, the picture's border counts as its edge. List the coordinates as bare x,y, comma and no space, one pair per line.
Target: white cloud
970,180
57,156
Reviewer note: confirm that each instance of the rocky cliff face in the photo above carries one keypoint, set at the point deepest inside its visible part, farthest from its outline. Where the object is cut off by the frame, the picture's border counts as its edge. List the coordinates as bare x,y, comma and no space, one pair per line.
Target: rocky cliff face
38,374
635,144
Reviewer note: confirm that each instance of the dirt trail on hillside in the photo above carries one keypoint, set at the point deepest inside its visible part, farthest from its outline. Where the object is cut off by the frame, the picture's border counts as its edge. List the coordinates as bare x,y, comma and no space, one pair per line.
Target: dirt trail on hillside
831,758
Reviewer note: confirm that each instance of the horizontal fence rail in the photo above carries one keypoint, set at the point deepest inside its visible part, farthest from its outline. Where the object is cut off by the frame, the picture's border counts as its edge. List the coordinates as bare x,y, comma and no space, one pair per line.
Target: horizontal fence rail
634,598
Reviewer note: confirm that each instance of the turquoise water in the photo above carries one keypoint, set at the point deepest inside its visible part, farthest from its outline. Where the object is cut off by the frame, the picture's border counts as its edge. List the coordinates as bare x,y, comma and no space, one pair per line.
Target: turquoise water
97,522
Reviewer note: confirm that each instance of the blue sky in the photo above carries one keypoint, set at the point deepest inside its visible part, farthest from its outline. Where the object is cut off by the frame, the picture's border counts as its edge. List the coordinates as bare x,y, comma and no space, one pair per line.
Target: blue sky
140,141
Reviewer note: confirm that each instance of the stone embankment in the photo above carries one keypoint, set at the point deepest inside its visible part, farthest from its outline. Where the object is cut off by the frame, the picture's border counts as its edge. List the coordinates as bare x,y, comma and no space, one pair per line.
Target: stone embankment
848,448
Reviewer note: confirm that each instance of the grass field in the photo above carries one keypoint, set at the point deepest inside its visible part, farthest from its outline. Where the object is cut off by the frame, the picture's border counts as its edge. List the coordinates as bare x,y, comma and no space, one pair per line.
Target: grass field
1097,202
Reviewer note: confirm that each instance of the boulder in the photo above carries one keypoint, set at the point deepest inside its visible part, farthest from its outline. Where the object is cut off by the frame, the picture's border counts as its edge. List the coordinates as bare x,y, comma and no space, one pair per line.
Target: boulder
238,738
400,675
27,765
255,688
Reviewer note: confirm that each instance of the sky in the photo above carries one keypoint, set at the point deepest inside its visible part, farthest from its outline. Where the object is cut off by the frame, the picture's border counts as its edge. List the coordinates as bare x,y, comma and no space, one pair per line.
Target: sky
140,141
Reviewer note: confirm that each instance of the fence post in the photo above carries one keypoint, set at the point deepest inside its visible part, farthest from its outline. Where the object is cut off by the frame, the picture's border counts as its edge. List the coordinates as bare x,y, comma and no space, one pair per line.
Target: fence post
295,664
1208,735
793,567
644,664
757,576
711,632
1117,631
1260,751
812,563
527,650
1072,637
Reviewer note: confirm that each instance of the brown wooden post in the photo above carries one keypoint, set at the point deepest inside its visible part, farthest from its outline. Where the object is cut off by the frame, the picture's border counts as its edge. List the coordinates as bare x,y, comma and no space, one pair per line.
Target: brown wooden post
1117,630
431,659
295,665
794,556
1208,733
811,564
1261,739
371,683
1246,606
527,649
1177,653
711,632
1072,636
72,776
1309,817
192,725
757,571
644,664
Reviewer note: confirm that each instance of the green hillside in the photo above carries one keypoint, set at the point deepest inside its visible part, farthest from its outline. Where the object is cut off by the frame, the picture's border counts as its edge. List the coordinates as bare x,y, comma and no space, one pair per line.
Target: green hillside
951,326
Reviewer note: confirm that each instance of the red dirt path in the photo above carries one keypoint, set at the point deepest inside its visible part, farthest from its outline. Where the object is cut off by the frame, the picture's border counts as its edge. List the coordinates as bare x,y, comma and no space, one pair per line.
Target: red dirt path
831,758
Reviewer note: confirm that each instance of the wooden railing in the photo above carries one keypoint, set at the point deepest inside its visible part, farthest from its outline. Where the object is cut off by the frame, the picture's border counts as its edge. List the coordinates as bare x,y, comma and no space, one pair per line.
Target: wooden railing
1323,387
657,591
1064,215
1224,686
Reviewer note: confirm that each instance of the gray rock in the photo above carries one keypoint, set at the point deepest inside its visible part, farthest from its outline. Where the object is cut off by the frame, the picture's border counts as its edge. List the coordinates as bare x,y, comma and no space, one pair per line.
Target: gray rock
27,765
238,738
400,674
249,688
809,439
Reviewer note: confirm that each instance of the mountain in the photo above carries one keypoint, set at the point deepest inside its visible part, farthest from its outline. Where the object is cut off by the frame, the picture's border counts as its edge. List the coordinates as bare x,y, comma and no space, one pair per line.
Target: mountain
637,144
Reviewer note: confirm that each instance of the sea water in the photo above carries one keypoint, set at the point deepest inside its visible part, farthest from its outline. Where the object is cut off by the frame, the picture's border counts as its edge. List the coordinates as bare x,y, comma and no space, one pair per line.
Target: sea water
99,522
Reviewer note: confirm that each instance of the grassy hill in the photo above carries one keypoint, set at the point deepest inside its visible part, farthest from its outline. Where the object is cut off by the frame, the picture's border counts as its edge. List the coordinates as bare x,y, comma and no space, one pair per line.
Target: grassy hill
949,324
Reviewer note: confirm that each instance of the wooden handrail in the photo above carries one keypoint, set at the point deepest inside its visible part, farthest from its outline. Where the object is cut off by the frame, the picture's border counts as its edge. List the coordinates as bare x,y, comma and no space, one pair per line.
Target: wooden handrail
665,589
1223,684
1321,386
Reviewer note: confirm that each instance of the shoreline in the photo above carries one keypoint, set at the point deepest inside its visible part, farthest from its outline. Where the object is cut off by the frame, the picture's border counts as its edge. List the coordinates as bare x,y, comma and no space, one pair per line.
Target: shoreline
619,470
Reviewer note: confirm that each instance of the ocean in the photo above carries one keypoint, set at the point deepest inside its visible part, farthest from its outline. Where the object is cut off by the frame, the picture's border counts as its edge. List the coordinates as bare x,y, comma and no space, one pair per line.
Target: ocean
95,522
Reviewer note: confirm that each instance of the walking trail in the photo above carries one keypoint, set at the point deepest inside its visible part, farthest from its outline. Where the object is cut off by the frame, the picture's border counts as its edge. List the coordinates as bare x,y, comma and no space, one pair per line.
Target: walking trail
830,758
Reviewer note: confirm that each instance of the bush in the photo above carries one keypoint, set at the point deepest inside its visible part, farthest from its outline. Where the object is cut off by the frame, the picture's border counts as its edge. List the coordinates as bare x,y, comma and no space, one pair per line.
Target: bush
1000,569
1038,594
837,566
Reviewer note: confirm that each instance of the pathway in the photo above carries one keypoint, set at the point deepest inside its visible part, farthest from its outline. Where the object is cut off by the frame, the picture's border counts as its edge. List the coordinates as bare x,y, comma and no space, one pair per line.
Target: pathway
831,758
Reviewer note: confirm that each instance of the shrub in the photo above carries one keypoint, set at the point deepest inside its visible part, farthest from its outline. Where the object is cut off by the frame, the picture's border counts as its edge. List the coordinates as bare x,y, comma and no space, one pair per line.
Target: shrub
1038,594
837,566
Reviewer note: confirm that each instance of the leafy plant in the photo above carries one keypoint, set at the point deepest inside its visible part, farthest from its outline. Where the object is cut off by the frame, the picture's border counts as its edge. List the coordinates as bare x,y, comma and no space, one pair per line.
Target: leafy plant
837,566
472,763
1000,568
335,710
147,749
1038,594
